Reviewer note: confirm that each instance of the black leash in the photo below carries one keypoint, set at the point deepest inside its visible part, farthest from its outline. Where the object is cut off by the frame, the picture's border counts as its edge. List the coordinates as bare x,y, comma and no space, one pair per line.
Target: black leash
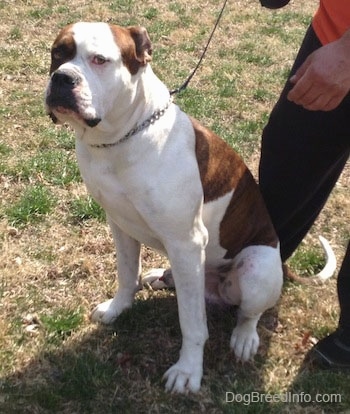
187,81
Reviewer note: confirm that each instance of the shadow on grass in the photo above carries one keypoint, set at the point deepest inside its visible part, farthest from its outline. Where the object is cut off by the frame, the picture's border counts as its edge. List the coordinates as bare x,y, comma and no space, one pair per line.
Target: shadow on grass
119,369
316,389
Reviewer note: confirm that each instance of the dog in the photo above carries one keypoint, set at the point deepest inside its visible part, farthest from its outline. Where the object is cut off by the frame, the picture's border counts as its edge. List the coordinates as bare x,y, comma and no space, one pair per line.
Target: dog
165,181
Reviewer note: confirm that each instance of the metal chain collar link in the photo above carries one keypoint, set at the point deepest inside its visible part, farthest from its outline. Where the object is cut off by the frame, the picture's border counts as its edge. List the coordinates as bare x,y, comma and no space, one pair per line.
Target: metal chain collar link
145,124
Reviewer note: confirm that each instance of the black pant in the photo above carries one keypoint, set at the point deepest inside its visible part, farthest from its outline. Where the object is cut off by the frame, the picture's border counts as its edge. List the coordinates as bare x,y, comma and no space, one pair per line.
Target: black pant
303,153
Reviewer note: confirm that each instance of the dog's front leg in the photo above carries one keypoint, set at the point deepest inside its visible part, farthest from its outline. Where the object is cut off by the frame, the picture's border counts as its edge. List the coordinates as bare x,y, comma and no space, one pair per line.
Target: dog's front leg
129,273
187,263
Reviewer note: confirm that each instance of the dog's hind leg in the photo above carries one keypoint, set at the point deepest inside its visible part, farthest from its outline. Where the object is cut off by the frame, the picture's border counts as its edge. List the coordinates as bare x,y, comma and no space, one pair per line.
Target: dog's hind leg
129,274
254,283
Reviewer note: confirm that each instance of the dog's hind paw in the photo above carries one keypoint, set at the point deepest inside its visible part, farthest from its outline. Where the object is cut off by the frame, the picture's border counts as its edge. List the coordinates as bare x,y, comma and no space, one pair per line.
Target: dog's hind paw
107,312
182,380
244,343
159,279
104,313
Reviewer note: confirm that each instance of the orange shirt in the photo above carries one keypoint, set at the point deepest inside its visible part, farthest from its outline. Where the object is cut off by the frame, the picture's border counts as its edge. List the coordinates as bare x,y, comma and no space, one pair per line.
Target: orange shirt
331,20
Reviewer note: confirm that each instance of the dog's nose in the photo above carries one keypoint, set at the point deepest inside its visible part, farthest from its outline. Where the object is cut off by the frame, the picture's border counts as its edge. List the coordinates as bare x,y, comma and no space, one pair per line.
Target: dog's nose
65,79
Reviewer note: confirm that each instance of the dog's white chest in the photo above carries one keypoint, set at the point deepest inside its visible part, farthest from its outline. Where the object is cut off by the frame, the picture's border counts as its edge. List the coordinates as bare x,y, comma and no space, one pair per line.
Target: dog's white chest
118,191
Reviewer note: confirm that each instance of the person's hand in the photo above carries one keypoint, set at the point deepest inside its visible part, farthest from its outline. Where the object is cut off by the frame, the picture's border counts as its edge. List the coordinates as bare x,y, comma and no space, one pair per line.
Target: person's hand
323,80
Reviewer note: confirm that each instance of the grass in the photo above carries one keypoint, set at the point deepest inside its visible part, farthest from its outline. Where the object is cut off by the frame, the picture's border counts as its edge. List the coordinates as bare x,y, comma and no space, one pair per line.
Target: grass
35,203
56,252
85,208
61,324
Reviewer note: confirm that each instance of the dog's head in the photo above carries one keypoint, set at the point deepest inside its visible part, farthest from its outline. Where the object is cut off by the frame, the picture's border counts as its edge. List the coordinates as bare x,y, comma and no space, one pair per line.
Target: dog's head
92,65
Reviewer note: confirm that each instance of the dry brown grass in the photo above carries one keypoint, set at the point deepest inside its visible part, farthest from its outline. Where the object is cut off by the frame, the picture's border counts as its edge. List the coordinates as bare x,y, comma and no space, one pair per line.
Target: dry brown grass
54,271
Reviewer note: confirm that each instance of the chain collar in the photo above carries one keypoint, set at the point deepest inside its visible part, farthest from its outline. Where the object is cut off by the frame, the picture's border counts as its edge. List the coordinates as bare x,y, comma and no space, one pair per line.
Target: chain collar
145,124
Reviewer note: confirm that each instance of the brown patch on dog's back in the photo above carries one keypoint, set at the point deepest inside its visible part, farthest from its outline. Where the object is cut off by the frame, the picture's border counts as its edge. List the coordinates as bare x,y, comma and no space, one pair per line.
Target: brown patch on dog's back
246,221
215,159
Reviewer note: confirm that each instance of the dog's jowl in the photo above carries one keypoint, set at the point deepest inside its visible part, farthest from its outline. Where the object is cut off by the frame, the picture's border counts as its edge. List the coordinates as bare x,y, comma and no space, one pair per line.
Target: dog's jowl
167,182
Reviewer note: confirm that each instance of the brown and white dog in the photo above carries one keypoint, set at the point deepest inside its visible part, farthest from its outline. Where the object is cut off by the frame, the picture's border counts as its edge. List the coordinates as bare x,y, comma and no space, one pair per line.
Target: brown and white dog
165,181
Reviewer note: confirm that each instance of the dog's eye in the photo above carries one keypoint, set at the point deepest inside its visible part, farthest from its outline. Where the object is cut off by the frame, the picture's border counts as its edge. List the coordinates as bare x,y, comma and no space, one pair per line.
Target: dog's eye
99,60
57,53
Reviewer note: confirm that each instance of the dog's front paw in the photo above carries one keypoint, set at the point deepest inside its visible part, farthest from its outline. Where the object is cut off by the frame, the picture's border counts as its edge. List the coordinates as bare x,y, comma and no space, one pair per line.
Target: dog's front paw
244,342
182,379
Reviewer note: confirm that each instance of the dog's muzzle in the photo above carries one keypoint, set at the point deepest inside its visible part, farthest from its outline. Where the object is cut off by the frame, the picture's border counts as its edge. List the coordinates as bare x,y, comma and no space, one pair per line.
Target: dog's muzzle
65,79
62,95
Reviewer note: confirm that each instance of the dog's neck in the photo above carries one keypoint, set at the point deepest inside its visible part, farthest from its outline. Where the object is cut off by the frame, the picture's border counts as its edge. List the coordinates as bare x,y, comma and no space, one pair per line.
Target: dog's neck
138,128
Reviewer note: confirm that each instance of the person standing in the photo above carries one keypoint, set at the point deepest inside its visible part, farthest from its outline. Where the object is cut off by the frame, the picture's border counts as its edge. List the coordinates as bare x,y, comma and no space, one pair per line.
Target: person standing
305,146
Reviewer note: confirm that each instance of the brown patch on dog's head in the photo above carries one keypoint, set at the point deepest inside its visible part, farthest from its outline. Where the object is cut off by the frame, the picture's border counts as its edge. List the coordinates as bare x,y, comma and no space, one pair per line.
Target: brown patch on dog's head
135,46
63,49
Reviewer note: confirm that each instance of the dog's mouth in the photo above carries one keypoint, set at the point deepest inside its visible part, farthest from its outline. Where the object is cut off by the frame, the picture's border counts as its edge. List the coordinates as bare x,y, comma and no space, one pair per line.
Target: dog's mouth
55,112
65,108
63,100
60,110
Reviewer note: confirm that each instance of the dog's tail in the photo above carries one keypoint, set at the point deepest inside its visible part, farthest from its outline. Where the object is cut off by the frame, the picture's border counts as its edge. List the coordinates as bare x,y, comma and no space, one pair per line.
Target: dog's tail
331,261
327,272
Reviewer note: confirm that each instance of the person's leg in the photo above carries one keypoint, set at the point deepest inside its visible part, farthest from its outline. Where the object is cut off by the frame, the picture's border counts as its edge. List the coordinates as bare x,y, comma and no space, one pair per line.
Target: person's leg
302,156
334,350
344,292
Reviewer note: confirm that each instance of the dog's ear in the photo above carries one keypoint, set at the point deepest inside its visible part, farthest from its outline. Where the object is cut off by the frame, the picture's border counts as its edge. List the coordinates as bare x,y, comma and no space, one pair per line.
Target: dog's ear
142,44
135,46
